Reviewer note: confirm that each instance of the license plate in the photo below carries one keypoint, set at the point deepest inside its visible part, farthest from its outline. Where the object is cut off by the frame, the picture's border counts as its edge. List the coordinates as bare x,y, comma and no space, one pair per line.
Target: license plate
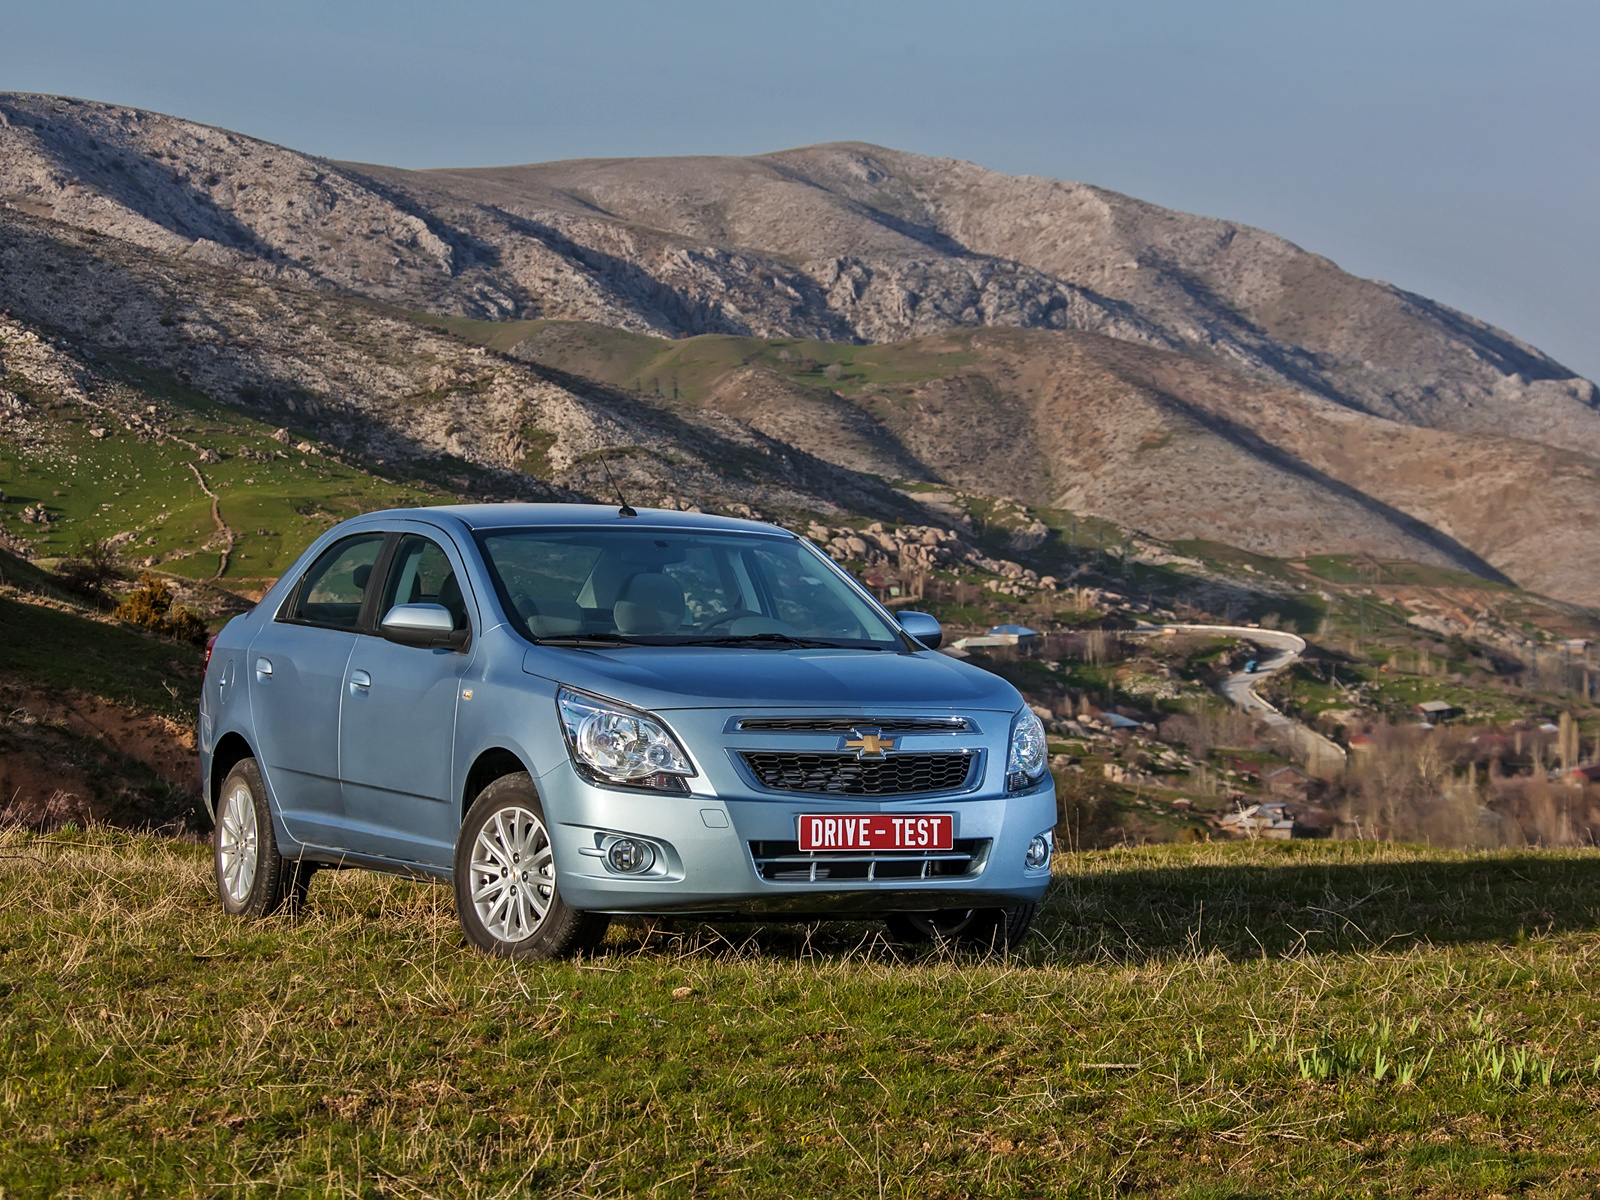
877,831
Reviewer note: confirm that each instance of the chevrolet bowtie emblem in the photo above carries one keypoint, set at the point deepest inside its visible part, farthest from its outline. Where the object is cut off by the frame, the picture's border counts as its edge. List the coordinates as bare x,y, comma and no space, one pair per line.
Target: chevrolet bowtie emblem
868,743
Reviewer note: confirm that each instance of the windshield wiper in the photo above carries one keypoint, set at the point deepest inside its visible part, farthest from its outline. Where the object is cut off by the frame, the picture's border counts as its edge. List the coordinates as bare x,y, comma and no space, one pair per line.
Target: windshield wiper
586,639
780,641
757,639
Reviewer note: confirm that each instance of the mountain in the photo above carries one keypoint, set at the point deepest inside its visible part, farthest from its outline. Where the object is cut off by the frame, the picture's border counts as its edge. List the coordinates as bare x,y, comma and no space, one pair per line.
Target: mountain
1059,344
1176,447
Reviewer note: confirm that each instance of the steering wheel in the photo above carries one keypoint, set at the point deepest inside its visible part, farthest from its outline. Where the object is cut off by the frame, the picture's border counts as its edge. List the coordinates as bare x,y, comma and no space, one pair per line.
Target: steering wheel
725,618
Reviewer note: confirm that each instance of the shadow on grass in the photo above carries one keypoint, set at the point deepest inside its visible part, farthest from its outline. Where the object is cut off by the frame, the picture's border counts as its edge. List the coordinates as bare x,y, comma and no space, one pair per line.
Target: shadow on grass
1263,908
1160,906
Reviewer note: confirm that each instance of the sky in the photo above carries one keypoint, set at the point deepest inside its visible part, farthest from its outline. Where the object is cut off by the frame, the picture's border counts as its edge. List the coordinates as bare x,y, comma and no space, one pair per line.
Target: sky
1447,146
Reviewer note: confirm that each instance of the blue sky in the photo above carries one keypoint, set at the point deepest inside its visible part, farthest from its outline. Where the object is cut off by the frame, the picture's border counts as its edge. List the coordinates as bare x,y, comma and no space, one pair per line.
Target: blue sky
1448,147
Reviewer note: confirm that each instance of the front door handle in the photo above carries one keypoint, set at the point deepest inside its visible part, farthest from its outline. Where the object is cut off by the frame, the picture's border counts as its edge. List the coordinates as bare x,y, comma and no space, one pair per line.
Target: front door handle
263,669
360,681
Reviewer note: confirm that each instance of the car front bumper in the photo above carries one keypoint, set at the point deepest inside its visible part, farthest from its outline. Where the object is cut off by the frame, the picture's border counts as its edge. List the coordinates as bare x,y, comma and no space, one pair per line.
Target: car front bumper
706,850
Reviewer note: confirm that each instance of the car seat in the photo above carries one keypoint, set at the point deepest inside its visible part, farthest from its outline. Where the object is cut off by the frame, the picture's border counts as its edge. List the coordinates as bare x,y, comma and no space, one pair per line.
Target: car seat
450,596
649,603
548,616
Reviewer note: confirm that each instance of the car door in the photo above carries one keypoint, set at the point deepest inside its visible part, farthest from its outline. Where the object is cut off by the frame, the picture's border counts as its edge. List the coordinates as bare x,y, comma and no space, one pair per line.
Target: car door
295,670
397,724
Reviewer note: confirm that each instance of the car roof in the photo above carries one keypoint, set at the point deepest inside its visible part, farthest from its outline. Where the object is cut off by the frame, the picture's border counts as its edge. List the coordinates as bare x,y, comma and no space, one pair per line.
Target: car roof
514,516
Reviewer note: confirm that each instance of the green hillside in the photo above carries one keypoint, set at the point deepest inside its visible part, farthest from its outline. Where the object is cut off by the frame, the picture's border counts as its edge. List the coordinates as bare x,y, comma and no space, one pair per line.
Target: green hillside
136,470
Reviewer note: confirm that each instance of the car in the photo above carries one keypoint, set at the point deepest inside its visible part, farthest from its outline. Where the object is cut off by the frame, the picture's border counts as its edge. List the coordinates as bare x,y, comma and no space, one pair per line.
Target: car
574,712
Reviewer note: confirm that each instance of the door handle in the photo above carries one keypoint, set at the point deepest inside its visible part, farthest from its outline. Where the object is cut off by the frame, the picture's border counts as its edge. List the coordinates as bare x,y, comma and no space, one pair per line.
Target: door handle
360,681
263,669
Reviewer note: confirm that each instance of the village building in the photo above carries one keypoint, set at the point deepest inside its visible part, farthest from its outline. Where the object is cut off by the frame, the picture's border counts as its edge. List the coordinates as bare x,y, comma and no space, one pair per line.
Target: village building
1269,820
1436,711
1289,782
1000,635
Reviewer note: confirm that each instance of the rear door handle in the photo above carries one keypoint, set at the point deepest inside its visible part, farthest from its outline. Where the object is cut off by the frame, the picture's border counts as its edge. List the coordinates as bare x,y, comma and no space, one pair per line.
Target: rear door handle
263,669
360,680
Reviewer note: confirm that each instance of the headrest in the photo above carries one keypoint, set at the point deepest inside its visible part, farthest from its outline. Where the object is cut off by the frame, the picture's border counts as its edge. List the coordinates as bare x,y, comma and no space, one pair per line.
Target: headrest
549,617
450,596
650,603
361,576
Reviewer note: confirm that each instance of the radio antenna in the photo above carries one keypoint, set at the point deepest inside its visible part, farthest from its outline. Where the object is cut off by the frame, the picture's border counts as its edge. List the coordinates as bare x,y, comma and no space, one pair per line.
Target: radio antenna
624,509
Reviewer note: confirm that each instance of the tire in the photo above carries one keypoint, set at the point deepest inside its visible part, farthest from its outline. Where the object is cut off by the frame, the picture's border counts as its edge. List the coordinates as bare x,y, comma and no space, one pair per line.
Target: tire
253,879
985,929
504,836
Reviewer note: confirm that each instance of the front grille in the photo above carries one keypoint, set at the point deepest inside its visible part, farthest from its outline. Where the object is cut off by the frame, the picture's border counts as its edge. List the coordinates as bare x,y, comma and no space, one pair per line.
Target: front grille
846,724
783,862
847,775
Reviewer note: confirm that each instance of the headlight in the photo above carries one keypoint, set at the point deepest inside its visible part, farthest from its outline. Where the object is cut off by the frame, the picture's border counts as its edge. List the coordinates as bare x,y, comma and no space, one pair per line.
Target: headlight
1025,762
612,743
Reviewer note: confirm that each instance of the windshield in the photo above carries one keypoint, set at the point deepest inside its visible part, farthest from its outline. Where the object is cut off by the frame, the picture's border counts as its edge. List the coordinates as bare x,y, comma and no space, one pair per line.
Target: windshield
669,587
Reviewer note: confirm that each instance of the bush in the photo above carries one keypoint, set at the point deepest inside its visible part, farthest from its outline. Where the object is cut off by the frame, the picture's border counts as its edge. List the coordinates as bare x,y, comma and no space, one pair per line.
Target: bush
89,570
149,606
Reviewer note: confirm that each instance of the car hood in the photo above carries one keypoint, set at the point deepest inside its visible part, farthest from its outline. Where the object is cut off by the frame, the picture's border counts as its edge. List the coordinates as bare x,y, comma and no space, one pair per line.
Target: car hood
668,677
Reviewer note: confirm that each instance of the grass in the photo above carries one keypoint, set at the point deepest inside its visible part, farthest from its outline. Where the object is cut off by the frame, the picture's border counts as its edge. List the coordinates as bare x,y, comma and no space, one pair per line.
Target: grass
60,650
1288,1018
697,366
275,500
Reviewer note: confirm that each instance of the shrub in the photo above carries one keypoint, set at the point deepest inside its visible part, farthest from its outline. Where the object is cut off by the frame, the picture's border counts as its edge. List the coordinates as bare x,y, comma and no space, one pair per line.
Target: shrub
149,606
89,570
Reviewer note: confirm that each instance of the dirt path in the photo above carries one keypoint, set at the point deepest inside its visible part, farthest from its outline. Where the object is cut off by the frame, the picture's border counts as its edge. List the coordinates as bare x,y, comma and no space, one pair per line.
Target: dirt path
222,526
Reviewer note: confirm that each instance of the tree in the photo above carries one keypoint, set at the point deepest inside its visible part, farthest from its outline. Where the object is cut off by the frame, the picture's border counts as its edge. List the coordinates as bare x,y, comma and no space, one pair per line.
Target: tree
1568,742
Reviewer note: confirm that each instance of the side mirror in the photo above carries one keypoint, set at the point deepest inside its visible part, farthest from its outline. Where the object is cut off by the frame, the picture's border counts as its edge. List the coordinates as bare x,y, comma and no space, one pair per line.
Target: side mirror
923,627
426,625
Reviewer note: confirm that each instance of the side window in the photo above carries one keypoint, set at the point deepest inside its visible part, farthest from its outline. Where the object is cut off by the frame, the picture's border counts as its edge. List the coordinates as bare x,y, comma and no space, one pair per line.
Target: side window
336,584
421,574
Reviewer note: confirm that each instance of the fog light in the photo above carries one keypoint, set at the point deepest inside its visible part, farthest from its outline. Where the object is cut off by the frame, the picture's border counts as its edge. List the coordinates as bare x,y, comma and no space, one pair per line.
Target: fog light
630,856
1039,853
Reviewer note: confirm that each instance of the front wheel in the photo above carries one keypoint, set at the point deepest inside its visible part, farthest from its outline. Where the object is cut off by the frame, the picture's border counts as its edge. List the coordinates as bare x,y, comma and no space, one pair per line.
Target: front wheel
505,879
987,929
253,879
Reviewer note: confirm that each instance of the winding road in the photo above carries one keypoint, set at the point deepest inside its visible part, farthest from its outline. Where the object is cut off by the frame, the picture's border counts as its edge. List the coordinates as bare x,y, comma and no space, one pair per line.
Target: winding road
1239,688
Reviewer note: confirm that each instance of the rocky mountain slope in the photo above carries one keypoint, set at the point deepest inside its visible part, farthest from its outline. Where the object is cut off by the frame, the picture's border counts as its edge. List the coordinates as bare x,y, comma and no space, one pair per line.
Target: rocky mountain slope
371,390
1164,443
840,242
1056,343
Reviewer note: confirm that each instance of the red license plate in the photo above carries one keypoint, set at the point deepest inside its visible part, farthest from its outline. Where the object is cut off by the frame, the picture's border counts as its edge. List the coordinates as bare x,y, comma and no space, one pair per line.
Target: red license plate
877,831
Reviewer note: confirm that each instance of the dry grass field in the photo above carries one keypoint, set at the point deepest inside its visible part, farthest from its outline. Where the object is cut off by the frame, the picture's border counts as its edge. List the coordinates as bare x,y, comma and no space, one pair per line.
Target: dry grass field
1330,1019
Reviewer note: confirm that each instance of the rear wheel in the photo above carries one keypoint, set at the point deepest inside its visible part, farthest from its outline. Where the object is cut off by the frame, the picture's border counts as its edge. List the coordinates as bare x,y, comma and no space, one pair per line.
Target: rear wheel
253,879
967,929
505,879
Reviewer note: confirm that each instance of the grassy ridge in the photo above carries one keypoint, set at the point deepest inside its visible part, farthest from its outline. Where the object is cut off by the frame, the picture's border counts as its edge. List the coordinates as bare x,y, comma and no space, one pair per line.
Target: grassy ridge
274,499
1321,1019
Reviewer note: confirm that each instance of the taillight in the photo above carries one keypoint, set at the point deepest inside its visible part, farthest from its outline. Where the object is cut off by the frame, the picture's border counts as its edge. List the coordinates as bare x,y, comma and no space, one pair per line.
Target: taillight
210,642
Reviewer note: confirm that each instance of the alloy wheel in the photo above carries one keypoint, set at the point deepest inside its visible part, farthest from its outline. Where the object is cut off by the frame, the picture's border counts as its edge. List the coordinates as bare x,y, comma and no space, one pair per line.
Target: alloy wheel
237,844
513,874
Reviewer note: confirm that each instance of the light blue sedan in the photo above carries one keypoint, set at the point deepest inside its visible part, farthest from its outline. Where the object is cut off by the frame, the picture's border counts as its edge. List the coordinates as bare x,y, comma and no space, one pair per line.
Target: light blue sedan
572,712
